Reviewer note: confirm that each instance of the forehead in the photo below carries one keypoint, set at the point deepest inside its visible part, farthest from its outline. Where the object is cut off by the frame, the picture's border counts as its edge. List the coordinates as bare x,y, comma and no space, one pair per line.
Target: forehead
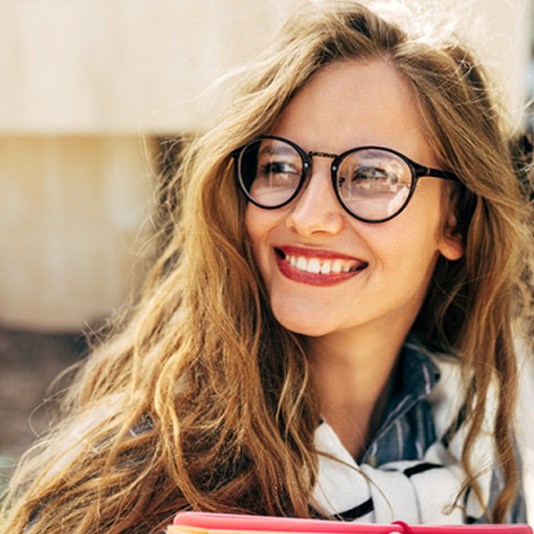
351,103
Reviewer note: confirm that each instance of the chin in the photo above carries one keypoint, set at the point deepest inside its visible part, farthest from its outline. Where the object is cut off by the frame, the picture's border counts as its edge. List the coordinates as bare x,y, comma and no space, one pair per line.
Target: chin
310,328
307,332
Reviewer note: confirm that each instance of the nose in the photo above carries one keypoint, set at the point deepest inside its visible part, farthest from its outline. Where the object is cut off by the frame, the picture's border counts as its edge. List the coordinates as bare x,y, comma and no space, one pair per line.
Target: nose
316,210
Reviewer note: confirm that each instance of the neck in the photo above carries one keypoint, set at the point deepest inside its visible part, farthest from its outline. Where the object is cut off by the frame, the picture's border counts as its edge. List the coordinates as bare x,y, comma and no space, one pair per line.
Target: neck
354,378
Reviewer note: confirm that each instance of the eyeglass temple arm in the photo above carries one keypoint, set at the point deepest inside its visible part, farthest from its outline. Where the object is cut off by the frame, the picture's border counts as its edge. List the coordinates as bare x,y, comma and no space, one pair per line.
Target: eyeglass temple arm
436,173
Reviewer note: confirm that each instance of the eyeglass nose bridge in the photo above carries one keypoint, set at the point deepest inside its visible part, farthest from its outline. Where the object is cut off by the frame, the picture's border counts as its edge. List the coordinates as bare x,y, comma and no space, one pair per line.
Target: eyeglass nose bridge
322,154
308,170
314,153
308,166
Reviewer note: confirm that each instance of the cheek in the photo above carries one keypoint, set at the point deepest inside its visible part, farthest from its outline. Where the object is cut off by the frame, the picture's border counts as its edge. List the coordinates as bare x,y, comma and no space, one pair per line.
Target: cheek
259,224
412,240
253,224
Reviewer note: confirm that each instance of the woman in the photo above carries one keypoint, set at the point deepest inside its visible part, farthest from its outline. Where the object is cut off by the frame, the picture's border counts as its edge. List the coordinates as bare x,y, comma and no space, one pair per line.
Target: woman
329,331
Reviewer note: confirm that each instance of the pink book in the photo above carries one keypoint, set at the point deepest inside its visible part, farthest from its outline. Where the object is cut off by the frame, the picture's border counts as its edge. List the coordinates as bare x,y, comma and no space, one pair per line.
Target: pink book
210,523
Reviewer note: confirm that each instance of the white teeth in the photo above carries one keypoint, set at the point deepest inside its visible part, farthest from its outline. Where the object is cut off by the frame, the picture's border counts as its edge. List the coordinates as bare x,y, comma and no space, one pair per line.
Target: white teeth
326,267
337,266
314,266
322,266
301,264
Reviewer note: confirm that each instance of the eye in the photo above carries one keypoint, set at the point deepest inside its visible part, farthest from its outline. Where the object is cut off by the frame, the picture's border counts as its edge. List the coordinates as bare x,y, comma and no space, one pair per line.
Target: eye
277,167
278,172
380,179
374,176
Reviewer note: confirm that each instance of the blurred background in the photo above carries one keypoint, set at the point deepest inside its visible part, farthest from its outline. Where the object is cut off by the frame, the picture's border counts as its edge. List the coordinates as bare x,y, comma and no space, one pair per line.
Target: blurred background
94,99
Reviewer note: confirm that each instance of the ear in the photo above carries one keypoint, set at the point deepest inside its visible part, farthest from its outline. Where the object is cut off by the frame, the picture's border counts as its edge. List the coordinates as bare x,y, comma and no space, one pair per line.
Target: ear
452,247
452,243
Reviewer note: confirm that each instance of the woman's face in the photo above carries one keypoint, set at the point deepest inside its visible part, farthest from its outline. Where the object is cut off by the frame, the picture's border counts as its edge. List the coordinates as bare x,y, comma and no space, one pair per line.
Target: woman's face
374,276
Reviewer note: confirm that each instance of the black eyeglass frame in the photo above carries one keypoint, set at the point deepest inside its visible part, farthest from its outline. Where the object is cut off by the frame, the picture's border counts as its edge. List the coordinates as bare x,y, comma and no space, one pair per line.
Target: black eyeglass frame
417,171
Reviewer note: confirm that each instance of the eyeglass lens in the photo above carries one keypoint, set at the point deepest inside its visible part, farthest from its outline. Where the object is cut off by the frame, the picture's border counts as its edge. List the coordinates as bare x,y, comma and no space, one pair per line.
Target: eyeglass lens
372,183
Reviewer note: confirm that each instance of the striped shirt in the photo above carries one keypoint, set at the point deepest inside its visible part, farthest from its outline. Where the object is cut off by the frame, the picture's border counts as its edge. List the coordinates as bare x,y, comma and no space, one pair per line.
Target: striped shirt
408,427
399,448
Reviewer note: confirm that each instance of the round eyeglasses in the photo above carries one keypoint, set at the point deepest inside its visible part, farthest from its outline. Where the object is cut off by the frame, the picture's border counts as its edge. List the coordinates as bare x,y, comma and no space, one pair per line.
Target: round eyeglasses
372,183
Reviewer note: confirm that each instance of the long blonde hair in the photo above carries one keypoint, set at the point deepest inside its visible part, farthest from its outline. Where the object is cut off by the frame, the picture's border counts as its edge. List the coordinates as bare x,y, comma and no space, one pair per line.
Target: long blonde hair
202,400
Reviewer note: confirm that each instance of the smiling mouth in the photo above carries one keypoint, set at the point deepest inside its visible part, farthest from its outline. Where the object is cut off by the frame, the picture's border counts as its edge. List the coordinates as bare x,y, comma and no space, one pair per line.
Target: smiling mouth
319,265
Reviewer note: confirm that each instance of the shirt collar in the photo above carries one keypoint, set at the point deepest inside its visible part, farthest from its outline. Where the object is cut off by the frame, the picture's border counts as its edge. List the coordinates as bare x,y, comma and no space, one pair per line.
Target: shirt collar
418,375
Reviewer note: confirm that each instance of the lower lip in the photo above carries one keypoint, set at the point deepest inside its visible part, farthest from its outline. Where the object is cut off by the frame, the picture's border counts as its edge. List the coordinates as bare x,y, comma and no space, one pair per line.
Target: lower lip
314,279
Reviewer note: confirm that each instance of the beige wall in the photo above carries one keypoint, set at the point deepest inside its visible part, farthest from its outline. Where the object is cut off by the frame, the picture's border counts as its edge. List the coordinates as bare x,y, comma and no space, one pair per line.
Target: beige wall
109,66
84,83
126,66
73,208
